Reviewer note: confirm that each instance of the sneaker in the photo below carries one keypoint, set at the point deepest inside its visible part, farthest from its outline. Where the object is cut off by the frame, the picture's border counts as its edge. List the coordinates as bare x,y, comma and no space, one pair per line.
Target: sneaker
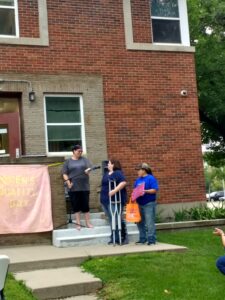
111,242
140,243
150,244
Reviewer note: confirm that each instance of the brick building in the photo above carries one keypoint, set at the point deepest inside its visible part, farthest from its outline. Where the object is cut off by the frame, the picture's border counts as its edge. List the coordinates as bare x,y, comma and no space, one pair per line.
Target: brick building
108,74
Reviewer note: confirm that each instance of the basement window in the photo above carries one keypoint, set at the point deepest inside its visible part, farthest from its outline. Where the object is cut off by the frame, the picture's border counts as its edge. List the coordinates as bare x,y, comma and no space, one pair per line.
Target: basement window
9,18
64,123
169,21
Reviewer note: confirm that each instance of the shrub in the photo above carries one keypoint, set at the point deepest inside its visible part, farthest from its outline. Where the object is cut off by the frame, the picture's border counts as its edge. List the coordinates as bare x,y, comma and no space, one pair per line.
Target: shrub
201,212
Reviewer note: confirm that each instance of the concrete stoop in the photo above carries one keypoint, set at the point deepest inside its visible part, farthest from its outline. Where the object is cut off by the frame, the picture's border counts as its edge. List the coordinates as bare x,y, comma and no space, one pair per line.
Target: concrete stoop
56,283
100,234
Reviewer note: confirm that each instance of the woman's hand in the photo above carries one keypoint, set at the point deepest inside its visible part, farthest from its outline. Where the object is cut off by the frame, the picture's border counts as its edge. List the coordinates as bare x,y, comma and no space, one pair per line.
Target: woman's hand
218,231
112,193
87,171
69,184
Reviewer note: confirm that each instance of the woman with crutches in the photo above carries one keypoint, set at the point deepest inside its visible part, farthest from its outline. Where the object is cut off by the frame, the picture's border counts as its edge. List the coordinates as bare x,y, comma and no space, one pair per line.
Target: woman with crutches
113,190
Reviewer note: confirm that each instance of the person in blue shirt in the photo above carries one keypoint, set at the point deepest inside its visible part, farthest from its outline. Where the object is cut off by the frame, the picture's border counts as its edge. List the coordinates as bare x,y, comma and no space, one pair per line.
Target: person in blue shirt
220,263
114,173
147,204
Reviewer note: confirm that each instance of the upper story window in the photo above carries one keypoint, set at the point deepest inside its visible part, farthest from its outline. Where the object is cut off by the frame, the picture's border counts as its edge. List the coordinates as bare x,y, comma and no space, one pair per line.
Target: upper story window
169,22
9,18
64,123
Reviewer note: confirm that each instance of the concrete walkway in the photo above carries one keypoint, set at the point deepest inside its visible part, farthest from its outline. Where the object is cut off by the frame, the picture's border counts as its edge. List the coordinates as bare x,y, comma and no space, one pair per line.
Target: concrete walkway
42,257
54,273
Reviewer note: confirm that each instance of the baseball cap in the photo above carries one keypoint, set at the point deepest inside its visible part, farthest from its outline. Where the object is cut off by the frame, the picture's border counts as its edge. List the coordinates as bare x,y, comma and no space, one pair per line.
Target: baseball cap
144,166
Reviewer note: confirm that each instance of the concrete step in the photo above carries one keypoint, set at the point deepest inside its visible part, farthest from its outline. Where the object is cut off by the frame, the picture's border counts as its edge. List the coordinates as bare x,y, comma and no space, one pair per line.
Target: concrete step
94,222
27,258
88,236
61,282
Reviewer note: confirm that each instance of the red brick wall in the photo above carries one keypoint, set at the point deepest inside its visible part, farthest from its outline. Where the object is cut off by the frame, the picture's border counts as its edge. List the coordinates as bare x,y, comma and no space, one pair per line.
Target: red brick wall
141,21
146,118
28,18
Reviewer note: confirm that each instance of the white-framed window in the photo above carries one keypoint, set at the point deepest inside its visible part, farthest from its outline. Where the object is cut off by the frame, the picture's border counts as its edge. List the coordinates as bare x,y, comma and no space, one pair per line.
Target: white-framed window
170,22
9,23
64,123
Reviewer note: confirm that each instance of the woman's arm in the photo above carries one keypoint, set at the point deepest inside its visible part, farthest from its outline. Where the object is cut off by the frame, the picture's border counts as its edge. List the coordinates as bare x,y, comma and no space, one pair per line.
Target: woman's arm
151,191
67,181
119,187
220,232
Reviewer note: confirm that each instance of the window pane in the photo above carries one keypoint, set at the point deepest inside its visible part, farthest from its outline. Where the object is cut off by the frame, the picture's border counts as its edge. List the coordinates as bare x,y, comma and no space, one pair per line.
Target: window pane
63,109
166,31
7,21
7,2
62,138
165,8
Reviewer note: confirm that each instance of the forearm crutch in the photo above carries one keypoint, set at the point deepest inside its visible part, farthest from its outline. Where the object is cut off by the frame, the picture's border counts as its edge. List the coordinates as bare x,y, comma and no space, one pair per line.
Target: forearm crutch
116,212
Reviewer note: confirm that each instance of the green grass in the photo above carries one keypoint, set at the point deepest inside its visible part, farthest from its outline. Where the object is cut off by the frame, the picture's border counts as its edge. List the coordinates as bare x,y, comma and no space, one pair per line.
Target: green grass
191,275
16,290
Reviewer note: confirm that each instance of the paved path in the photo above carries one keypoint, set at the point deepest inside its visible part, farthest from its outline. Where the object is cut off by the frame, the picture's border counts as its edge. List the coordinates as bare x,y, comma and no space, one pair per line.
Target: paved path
24,254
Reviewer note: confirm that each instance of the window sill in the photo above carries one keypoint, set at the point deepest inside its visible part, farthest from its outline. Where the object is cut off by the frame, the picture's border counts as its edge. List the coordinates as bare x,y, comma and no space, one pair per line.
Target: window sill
164,47
25,41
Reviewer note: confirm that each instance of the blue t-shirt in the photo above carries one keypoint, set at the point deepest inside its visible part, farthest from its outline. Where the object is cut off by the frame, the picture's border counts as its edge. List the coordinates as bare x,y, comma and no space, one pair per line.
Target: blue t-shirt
150,183
119,177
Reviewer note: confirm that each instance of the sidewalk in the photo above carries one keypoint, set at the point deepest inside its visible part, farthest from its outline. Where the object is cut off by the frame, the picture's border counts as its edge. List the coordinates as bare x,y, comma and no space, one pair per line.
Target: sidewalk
42,257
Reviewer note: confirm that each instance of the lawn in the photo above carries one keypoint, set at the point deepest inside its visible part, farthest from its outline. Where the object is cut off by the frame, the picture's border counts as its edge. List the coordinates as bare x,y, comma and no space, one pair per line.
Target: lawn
16,290
191,275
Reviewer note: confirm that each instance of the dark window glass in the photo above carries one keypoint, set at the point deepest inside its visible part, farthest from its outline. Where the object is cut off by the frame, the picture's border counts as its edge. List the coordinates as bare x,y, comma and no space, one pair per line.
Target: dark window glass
62,138
6,2
165,8
166,31
63,109
7,21
4,139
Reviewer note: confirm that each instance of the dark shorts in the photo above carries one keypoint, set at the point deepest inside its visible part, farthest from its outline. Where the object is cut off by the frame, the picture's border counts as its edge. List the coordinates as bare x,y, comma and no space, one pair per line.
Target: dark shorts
80,201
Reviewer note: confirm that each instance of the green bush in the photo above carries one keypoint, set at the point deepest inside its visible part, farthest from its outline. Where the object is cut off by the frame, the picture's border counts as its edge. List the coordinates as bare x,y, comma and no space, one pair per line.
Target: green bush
201,212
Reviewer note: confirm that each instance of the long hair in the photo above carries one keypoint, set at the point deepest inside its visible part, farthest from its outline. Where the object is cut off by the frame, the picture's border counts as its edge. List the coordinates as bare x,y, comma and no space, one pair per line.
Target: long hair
116,164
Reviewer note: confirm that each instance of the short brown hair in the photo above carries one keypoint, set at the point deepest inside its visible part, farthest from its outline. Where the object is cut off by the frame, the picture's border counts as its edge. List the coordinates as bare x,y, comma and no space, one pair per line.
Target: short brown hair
116,164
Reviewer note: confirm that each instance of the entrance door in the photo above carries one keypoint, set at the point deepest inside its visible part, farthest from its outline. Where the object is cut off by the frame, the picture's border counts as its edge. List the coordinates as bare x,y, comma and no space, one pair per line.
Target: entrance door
10,136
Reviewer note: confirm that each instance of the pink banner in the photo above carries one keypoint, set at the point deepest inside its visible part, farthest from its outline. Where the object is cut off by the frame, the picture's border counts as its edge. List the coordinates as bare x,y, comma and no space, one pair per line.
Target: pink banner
138,192
25,199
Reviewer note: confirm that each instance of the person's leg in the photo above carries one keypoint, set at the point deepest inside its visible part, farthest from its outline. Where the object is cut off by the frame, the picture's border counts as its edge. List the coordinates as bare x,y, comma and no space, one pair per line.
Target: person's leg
85,208
124,233
77,220
141,226
149,211
221,264
74,197
105,208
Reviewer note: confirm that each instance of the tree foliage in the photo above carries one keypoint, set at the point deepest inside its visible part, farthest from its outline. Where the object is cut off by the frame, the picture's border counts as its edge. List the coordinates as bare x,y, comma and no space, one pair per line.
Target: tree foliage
207,30
214,178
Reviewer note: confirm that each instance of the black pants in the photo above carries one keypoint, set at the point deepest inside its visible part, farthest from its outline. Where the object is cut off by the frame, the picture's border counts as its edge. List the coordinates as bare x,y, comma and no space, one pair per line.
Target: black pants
79,201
